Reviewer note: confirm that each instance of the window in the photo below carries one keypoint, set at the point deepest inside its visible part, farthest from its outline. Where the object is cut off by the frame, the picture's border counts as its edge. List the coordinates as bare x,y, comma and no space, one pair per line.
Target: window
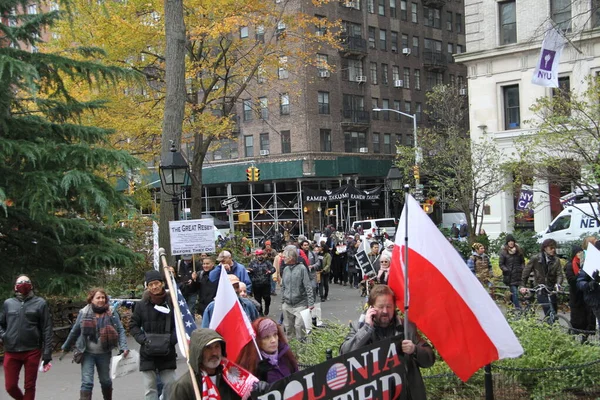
322,62
563,95
431,17
418,112
282,72
394,41
596,14
459,23
373,71
382,39
384,74
376,148
249,146
512,114
459,49
352,29
439,78
385,103
410,140
264,141
260,34
264,107
284,104
449,20
371,6
353,141
387,143
395,72
323,101
560,224
397,107
403,10
414,16
450,49
561,13
355,69
407,109
393,9
321,28
508,22
452,80
381,8
461,81
325,139
417,79
286,143
404,41
227,150
244,32
280,30
372,38
32,9
247,104
415,46
375,104
407,78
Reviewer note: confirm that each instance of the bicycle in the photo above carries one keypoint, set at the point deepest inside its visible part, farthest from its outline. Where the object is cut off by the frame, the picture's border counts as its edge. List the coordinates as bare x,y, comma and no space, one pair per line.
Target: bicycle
529,306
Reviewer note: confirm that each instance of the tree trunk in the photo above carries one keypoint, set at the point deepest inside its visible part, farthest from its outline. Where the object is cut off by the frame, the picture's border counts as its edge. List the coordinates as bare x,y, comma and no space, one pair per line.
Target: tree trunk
196,174
174,103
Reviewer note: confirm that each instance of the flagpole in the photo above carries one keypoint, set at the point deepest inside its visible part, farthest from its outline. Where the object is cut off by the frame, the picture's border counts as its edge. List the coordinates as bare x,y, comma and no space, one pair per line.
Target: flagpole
406,294
178,318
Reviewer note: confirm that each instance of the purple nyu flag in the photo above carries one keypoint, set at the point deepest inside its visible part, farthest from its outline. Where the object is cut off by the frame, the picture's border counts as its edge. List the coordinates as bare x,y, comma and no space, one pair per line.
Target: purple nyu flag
546,69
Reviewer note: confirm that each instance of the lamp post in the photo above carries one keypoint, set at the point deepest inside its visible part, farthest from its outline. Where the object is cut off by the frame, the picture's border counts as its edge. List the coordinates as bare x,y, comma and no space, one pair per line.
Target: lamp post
417,152
174,173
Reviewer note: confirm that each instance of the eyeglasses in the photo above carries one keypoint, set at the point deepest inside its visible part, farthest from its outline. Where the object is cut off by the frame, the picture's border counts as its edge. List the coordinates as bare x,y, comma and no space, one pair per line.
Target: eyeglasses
23,281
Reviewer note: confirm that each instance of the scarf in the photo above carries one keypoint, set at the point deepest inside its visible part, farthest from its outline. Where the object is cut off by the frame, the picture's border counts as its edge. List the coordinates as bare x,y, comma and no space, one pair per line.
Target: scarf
158,299
576,265
271,358
94,328
23,297
511,250
237,378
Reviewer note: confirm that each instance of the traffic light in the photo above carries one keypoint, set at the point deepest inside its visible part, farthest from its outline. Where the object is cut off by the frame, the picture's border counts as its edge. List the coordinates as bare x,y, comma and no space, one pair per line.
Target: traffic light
428,205
416,172
256,174
250,174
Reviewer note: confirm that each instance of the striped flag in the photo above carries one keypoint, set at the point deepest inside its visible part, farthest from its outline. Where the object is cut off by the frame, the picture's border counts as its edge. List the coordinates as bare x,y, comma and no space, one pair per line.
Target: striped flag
189,324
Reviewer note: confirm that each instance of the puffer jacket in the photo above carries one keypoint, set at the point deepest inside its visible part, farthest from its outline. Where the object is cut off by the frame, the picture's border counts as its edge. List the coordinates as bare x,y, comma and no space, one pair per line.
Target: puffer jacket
550,278
25,324
261,272
146,319
512,265
296,287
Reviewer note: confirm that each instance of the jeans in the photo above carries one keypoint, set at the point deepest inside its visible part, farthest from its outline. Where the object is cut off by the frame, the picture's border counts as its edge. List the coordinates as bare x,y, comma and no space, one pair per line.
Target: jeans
191,300
514,296
167,377
102,363
543,299
263,292
13,362
292,321
324,285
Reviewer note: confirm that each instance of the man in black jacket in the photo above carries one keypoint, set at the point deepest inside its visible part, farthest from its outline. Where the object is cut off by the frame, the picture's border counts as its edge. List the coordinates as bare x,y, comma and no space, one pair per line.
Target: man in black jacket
26,331
154,315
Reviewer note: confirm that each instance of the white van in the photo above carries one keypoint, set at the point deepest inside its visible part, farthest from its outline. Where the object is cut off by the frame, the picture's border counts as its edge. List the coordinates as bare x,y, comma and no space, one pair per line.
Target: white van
571,223
372,225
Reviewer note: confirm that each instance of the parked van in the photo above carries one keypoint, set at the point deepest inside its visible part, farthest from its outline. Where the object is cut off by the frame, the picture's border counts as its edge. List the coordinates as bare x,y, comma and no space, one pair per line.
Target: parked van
372,226
571,223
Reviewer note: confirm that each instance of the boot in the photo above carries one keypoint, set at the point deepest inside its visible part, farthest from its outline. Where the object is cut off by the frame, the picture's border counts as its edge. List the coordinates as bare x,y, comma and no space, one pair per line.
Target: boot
85,395
314,322
107,393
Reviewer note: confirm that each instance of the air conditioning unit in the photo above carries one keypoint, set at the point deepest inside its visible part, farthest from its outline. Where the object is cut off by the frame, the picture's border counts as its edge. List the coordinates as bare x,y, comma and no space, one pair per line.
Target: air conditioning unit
324,74
363,150
319,33
406,51
398,83
264,152
361,79
462,91
394,49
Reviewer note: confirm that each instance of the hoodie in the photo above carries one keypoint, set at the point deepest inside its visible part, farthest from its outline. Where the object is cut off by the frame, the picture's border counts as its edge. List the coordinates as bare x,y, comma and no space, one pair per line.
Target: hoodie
183,388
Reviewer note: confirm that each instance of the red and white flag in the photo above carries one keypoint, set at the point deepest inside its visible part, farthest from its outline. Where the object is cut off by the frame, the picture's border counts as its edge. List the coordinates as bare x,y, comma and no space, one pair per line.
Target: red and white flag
229,318
446,301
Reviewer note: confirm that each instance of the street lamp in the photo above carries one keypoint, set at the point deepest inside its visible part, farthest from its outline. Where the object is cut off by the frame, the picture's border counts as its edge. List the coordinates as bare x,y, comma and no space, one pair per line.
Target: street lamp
174,173
417,152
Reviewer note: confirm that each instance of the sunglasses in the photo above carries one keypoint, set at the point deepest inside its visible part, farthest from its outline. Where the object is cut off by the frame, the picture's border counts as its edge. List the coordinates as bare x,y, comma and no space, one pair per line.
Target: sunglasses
23,281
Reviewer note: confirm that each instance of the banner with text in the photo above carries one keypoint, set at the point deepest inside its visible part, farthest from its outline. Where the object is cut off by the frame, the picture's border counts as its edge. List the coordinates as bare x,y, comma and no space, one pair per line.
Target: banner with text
546,69
525,198
193,236
376,371
346,192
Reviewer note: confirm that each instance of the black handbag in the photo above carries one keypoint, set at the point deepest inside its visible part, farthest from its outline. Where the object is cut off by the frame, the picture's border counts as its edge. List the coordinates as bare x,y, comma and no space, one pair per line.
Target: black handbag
159,344
77,356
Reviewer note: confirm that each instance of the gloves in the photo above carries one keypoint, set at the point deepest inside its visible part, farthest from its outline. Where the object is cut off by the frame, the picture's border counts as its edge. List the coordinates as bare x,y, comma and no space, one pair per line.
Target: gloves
47,361
259,388
592,285
596,276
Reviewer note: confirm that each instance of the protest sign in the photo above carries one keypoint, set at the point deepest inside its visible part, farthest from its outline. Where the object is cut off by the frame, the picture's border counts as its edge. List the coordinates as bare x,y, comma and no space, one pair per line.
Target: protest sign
192,236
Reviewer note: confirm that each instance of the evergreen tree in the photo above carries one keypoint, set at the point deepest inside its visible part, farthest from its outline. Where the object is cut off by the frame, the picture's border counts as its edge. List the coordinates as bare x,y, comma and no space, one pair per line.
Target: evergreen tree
56,198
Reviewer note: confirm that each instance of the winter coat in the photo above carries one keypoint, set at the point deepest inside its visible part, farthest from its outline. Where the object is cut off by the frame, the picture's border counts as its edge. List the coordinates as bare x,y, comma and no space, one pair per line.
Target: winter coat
207,290
362,335
238,270
512,265
314,266
296,288
25,324
284,368
146,319
351,251
80,342
575,295
182,388
261,272
591,297
249,309
326,263
481,267
543,273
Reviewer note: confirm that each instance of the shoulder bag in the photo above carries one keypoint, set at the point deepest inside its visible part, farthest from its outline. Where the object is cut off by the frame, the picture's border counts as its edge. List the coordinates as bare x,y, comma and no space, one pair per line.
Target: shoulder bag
159,344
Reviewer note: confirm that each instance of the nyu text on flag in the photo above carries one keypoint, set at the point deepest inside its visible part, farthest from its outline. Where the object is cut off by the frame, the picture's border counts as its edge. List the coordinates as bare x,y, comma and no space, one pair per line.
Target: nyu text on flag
546,69
189,323
229,318
446,301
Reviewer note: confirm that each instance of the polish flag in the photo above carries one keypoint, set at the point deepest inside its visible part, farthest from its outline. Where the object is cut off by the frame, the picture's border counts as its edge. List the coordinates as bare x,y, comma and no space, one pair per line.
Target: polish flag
229,318
446,301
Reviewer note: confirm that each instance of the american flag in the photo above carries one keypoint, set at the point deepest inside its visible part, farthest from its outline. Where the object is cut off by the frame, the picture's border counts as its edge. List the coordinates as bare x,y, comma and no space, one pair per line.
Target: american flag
337,376
189,323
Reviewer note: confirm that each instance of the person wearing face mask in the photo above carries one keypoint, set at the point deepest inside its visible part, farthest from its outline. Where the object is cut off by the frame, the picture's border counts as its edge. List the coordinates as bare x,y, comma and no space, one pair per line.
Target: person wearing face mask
154,315
380,321
97,331
26,332
261,274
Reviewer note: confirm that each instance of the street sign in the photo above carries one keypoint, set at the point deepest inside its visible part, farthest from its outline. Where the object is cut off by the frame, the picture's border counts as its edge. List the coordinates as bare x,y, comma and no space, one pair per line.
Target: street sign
228,201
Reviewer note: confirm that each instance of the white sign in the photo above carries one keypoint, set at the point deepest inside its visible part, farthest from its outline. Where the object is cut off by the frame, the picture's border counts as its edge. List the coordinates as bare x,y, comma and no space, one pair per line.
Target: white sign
155,245
193,236
592,260
228,201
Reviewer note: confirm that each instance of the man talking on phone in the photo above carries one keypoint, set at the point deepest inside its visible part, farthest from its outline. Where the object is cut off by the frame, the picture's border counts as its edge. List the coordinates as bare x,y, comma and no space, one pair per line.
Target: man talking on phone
380,321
